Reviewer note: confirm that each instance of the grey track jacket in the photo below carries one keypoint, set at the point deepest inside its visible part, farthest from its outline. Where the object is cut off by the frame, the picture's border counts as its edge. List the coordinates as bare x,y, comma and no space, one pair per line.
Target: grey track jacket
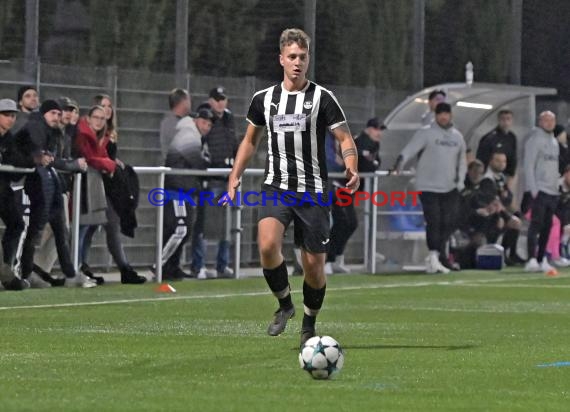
442,164
541,163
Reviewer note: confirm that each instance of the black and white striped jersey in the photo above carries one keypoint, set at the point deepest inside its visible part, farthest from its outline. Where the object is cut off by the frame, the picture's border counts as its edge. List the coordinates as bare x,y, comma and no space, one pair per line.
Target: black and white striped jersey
296,126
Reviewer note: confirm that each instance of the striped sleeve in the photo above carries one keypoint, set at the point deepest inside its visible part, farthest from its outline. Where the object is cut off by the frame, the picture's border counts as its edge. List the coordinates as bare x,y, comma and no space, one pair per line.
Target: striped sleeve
330,108
255,114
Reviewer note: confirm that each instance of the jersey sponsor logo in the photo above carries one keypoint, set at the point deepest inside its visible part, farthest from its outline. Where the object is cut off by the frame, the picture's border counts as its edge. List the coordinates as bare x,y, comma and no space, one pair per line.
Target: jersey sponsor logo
447,143
308,105
290,123
550,157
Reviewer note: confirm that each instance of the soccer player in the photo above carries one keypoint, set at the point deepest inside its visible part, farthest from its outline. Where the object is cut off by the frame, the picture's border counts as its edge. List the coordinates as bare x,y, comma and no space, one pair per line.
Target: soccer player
295,115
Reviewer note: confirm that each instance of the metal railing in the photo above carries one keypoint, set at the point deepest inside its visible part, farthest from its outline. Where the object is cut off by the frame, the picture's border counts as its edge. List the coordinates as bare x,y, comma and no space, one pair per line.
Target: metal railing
371,211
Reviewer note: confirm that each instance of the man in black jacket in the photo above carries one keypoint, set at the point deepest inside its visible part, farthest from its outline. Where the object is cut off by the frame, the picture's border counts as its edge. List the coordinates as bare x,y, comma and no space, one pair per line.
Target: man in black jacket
38,141
46,255
222,146
500,139
9,212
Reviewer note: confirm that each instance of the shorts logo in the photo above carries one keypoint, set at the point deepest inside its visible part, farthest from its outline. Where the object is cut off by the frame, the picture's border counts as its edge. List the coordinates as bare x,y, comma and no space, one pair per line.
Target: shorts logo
308,105
324,242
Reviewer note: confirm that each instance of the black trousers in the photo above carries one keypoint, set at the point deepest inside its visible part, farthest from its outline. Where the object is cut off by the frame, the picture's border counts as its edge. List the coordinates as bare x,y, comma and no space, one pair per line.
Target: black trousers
542,207
440,214
44,192
11,215
345,223
178,221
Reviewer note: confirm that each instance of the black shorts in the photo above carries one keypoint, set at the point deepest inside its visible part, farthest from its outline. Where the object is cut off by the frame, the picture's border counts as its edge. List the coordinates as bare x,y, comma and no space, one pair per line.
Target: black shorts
311,223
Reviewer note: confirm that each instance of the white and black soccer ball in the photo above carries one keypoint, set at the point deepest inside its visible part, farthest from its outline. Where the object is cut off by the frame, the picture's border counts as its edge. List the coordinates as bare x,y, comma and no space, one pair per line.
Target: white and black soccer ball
322,357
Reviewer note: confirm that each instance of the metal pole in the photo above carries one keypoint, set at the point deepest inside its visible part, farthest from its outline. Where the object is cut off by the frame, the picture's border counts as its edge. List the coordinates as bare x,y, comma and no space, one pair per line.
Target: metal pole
419,38
159,233
310,23
237,244
367,183
32,34
75,219
181,60
516,41
374,228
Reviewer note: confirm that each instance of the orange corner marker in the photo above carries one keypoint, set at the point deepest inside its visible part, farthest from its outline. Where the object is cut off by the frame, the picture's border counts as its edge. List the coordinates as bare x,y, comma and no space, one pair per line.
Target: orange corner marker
165,288
552,273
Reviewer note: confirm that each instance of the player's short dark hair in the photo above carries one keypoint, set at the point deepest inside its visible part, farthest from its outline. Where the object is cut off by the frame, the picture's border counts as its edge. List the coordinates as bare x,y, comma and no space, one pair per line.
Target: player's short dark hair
435,93
475,163
504,111
289,36
176,96
498,152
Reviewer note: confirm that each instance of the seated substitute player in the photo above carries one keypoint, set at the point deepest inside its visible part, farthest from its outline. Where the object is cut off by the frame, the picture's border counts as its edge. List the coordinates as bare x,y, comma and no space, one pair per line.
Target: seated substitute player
295,116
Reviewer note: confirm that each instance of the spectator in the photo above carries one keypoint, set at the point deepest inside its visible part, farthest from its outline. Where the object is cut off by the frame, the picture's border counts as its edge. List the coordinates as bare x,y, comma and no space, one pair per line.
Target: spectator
185,152
434,98
222,146
9,212
94,142
563,211
180,104
502,139
38,142
562,137
368,146
541,155
495,183
440,173
75,113
344,217
28,102
46,255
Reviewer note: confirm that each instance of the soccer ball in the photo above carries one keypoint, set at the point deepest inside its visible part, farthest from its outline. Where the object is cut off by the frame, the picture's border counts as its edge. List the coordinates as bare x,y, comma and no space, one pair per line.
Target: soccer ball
322,357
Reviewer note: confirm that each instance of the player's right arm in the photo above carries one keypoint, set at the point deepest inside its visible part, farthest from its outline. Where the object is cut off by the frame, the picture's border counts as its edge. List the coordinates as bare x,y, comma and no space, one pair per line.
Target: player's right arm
245,152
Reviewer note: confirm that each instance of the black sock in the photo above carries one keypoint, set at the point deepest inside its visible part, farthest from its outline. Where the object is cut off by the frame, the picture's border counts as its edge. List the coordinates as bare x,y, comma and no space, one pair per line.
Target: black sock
510,239
278,281
313,301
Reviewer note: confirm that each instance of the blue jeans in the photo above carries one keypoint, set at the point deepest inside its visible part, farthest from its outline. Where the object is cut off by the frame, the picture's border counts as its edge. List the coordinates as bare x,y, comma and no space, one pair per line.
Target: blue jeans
199,243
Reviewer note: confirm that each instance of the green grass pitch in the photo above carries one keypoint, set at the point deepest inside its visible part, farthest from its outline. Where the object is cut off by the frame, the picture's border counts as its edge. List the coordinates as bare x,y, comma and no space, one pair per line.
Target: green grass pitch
473,341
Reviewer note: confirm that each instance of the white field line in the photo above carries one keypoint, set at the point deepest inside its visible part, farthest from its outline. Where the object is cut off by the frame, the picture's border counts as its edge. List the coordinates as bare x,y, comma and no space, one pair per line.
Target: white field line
464,282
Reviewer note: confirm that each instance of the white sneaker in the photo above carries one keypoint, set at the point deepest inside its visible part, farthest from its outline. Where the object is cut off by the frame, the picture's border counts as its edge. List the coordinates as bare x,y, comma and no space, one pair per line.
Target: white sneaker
36,282
226,273
328,268
80,281
338,265
532,266
547,268
206,274
562,262
433,265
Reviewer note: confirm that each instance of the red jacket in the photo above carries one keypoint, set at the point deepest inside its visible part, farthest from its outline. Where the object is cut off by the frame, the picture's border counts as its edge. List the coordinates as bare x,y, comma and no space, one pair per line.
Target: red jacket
92,149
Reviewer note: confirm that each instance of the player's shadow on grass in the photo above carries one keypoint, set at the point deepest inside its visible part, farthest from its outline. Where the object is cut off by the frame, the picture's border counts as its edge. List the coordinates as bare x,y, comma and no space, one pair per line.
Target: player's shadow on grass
444,347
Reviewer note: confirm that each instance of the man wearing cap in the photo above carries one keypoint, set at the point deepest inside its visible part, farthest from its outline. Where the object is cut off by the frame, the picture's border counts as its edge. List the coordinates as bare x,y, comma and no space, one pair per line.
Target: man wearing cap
28,102
222,146
185,152
38,141
440,173
434,98
9,212
179,104
46,254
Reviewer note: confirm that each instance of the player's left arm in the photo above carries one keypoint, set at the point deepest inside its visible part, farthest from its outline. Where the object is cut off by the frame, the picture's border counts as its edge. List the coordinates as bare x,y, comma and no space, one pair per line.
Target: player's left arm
349,155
